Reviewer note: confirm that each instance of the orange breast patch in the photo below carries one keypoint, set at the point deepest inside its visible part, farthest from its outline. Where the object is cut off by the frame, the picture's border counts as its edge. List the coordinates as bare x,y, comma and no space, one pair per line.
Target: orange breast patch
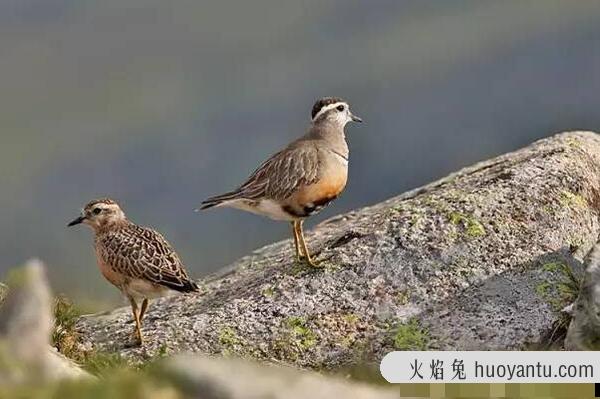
330,186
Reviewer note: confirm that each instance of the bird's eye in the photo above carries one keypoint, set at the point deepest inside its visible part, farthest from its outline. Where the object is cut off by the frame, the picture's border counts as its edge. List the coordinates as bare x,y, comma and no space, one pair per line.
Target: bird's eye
340,108
96,211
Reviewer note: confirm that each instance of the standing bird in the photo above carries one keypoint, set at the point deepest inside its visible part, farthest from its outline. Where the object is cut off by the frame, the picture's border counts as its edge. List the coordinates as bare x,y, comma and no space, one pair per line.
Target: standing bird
301,179
137,260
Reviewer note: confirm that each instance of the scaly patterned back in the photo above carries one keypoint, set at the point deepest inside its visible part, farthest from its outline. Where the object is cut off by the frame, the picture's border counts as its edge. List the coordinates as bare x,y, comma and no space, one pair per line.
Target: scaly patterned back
140,252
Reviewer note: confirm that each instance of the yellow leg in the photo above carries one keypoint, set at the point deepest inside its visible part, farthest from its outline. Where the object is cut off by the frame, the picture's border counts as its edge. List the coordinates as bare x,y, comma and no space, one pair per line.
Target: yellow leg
299,255
303,245
136,317
145,304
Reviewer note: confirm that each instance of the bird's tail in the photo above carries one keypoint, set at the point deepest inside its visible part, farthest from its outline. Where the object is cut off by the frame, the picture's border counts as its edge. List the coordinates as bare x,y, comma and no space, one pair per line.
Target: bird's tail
190,286
176,283
219,199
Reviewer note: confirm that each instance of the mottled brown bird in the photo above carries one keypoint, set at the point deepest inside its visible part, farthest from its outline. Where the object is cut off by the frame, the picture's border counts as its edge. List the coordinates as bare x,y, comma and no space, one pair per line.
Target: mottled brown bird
303,178
137,260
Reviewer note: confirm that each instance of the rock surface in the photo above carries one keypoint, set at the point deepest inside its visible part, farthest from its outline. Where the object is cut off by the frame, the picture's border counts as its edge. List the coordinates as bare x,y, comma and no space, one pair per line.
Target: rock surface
476,260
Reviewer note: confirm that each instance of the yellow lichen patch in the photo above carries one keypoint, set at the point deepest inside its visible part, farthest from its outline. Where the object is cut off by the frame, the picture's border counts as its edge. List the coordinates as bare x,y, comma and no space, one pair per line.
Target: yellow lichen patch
572,200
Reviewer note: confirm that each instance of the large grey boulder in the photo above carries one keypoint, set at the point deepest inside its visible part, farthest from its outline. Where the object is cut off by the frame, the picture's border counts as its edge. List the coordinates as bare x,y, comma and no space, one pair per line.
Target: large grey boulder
476,260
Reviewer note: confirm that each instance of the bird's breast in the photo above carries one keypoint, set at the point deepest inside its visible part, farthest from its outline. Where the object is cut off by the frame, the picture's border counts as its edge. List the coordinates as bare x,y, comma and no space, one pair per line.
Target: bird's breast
312,198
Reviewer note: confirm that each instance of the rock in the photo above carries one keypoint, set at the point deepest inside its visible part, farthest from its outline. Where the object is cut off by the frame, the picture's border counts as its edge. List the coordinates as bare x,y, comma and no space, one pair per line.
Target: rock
238,379
476,260
25,326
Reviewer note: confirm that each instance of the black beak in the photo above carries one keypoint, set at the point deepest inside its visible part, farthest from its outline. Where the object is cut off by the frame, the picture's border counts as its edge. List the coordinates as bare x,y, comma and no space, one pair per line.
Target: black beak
355,118
76,221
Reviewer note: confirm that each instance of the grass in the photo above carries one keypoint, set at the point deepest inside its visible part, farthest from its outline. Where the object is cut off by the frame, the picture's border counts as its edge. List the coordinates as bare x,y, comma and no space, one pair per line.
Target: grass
67,341
64,337
558,295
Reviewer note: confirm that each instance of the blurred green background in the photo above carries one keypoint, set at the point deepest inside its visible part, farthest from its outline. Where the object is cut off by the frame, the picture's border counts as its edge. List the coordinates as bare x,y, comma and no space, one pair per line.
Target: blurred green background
161,104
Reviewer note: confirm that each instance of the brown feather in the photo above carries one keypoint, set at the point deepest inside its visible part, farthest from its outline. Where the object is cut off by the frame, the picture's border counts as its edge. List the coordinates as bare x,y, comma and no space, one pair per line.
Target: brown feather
135,252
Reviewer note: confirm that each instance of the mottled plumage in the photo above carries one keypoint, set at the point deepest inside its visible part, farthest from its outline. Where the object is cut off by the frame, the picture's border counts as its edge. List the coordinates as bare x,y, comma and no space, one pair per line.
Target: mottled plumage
138,252
301,179
137,260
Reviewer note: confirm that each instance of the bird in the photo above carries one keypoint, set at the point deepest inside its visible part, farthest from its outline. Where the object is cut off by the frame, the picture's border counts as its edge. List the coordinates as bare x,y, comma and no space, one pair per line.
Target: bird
301,179
137,260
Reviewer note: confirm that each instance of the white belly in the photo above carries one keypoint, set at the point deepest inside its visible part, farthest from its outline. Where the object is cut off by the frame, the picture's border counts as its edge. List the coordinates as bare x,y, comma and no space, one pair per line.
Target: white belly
140,289
266,207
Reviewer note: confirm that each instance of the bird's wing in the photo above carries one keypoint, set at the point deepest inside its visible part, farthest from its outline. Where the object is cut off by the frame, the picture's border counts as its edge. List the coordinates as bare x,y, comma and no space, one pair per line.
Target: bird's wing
279,176
140,252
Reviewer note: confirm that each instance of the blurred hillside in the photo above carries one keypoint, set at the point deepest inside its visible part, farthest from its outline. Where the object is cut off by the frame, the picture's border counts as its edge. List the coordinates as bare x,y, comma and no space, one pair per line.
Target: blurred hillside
160,105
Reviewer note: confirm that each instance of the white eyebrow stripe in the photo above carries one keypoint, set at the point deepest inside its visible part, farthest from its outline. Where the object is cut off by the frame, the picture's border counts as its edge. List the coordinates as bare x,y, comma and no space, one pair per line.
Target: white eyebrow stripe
327,108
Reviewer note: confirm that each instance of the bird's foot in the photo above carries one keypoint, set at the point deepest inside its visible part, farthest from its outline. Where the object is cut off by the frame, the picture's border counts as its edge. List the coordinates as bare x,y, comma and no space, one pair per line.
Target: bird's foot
308,261
136,338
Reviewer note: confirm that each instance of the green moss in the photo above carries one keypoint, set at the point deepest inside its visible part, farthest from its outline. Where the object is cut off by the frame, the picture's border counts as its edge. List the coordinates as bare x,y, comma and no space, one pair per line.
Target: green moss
402,297
552,267
232,343
163,351
572,200
562,292
410,336
573,143
350,318
229,339
268,292
473,228
416,219
542,289
302,335
294,339
300,267
548,209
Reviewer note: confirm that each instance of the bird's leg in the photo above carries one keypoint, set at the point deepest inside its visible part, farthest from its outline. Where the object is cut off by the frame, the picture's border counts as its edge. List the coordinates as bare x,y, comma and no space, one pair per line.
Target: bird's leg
303,245
145,304
136,317
299,255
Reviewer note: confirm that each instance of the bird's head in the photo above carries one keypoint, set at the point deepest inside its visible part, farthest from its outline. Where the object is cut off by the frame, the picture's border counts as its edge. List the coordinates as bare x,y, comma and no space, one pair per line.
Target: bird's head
100,213
333,110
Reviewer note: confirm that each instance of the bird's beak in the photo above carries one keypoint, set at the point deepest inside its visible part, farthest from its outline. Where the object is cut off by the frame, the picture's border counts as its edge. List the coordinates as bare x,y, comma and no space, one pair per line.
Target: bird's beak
355,118
78,220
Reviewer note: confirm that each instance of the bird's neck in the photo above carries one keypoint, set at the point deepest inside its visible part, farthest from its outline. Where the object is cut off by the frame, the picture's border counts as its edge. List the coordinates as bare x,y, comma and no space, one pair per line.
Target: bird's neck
111,225
333,134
